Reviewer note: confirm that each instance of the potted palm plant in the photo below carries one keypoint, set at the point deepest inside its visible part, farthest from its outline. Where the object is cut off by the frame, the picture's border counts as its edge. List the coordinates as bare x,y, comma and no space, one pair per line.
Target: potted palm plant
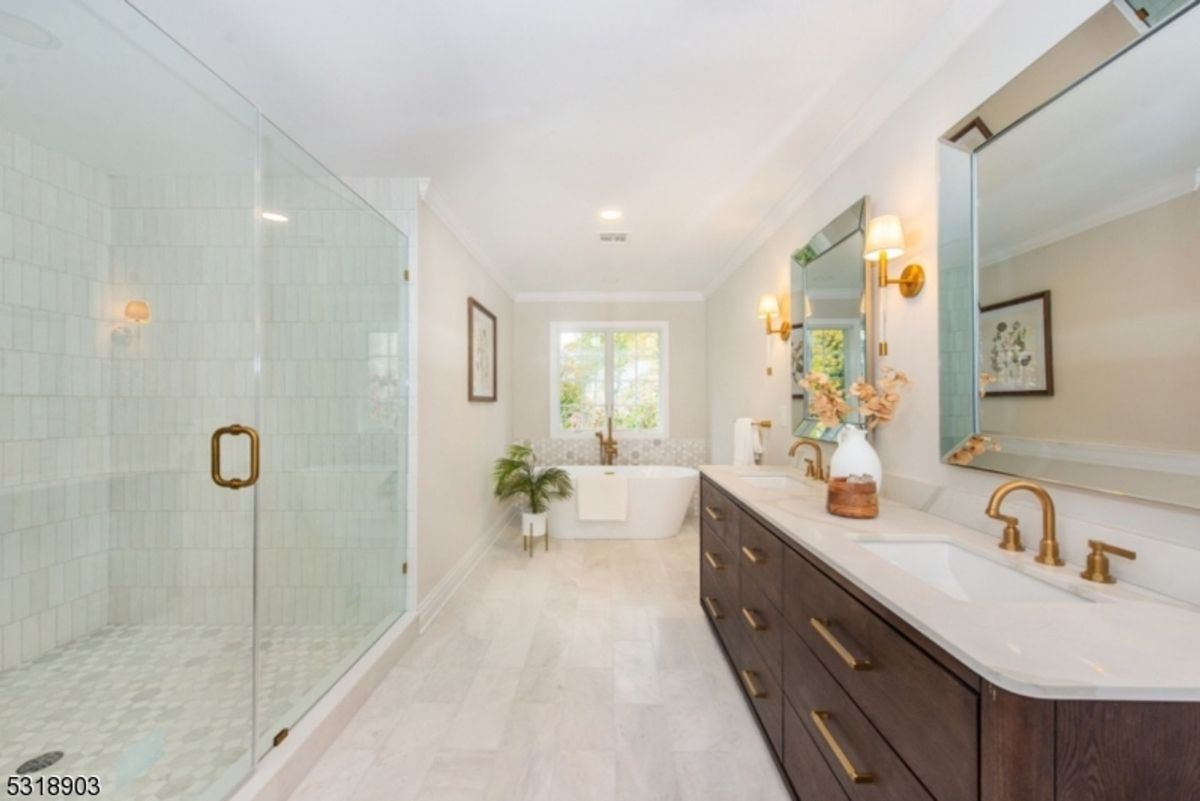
516,476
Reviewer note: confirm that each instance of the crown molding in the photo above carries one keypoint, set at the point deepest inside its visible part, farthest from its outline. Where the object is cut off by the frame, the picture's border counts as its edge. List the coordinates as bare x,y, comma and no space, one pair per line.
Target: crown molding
437,202
610,297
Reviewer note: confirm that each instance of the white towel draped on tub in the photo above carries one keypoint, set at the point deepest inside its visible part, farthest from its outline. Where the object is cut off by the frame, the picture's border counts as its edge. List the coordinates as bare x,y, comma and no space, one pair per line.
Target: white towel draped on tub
602,496
746,441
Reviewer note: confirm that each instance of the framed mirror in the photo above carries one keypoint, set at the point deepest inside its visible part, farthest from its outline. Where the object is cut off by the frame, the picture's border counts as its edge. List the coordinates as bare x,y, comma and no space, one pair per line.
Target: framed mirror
831,298
1069,297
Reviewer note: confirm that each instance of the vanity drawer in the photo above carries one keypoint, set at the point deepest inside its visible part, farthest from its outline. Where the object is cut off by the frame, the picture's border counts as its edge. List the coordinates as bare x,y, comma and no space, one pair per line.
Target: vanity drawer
718,604
760,559
930,717
862,762
811,778
719,560
719,514
759,685
762,624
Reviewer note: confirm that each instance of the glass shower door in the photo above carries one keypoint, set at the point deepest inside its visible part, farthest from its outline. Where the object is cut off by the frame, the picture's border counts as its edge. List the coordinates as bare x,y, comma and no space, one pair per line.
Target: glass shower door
331,524
127,336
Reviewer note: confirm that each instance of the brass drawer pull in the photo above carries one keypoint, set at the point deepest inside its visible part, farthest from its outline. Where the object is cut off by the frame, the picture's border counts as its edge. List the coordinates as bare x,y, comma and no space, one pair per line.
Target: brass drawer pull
716,516
215,457
752,619
755,556
822,627
750,679
714,611
712,560
853,774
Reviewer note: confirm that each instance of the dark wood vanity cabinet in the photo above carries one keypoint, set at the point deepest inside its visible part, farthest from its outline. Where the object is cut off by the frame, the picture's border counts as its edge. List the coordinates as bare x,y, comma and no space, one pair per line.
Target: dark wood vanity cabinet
856,705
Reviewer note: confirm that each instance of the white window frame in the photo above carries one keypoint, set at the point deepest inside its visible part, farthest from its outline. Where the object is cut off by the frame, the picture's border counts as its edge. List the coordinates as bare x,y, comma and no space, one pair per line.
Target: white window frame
664,375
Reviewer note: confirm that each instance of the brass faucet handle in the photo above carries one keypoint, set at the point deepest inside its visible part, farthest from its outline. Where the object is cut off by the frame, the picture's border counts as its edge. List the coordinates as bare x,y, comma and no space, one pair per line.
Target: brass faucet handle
1097,561
1011,539
810,469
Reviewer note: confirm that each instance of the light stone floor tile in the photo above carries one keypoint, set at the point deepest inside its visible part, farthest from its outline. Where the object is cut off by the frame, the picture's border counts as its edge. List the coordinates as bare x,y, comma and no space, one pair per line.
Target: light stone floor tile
584,674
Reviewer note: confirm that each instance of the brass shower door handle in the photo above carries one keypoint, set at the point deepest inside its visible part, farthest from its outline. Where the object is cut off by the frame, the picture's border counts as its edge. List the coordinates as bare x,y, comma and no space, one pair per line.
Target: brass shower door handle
234,483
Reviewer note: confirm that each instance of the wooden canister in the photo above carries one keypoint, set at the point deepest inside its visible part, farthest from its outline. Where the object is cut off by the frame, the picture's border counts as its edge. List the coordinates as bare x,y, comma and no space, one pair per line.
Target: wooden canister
858,500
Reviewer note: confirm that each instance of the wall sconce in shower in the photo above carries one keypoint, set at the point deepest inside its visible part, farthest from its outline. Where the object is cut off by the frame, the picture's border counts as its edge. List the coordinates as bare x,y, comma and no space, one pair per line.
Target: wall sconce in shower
768,307
137,312
885,240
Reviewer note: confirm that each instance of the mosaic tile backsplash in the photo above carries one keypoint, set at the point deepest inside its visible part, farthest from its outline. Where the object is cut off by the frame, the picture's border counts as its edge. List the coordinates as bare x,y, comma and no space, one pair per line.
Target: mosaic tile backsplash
681,452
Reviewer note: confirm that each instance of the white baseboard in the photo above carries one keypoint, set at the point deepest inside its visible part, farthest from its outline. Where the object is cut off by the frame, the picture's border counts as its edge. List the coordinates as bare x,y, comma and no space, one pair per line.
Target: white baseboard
284,767
440,595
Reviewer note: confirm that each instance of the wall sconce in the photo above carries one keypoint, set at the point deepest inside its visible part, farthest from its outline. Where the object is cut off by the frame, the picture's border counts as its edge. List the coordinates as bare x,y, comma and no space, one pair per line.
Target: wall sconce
768,307
885,240
136,312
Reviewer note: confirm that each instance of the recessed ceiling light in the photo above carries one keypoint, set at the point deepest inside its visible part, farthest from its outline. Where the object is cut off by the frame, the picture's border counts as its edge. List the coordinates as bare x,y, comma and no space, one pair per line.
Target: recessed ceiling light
274,216
610,214
27,33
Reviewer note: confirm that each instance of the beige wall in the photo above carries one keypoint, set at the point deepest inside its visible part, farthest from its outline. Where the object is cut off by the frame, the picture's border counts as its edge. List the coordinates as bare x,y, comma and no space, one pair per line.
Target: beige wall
1124,301
688,413
457,440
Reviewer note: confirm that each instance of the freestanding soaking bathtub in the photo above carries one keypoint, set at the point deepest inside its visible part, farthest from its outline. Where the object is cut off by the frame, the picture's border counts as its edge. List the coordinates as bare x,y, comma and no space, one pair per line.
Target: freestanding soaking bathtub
658,500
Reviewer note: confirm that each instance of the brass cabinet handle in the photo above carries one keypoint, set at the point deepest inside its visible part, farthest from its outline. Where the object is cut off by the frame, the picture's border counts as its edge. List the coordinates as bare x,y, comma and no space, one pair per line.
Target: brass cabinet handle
750,679
714,611
716,516
712,560
234,483
852,662
853,774
755,556
752,620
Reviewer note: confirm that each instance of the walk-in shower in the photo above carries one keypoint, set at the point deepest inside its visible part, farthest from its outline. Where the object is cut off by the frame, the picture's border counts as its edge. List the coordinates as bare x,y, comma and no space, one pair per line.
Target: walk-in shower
173,266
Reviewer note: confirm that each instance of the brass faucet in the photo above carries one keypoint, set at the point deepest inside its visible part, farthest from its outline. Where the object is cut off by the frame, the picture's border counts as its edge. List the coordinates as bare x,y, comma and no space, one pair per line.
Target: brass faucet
815,467
1011,541
608,447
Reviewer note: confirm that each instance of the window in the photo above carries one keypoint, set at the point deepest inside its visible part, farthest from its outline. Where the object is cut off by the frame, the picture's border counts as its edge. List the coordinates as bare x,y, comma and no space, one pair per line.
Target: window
602,368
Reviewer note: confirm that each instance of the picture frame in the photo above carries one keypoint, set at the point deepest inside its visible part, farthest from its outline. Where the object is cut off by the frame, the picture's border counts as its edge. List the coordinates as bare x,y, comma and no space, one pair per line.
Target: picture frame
1016,346
972,135
481,353
797,366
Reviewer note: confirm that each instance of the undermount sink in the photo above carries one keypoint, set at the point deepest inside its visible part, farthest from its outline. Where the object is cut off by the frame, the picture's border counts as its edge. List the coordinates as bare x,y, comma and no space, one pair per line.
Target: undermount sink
780,482
966,576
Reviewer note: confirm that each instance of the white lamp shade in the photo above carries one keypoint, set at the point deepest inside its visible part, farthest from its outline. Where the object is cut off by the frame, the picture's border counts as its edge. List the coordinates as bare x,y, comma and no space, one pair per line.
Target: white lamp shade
885,236
768,306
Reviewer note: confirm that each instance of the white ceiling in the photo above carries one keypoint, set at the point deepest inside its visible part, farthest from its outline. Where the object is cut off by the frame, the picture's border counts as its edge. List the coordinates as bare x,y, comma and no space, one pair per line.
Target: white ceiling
695,117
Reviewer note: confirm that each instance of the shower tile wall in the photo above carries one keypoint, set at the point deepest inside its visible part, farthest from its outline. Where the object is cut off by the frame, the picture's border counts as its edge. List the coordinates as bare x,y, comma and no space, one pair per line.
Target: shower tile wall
334,362
54,408
182,547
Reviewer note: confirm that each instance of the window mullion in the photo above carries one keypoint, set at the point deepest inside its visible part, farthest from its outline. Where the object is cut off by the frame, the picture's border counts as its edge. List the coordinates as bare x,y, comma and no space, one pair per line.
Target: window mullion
609,364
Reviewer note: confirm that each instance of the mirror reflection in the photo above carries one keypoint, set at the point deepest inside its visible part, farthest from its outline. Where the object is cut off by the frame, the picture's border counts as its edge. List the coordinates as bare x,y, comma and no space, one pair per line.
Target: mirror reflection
1087,343
830,296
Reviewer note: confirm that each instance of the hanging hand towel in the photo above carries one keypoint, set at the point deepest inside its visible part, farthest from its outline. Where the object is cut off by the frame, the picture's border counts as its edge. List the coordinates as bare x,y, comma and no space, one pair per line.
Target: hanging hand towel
746,441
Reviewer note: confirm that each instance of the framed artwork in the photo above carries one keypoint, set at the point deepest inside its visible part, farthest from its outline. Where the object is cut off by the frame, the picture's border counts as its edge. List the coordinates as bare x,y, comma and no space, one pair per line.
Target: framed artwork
797,342
481,352
972,135
1016,346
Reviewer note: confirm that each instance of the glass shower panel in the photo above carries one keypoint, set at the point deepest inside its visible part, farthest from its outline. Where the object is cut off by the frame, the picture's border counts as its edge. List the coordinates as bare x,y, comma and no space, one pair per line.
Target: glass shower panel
127,335
334,378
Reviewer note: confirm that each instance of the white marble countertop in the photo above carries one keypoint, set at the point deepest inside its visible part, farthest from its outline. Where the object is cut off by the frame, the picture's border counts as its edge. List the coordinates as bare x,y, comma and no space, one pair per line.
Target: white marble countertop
1123,644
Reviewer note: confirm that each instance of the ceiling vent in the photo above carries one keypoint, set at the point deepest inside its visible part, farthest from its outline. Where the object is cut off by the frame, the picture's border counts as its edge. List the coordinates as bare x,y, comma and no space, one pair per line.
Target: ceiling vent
613,237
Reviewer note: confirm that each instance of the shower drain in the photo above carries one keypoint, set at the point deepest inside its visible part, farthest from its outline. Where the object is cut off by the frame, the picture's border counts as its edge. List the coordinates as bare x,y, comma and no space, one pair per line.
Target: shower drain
39,762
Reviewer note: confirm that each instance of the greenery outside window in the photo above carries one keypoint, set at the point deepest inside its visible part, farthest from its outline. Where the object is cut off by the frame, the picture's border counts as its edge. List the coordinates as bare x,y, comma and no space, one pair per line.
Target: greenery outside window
603,369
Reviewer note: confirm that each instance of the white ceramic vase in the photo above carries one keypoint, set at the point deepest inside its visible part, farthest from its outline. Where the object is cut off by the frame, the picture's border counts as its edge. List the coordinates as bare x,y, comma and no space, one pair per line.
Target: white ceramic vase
533,525
855,456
